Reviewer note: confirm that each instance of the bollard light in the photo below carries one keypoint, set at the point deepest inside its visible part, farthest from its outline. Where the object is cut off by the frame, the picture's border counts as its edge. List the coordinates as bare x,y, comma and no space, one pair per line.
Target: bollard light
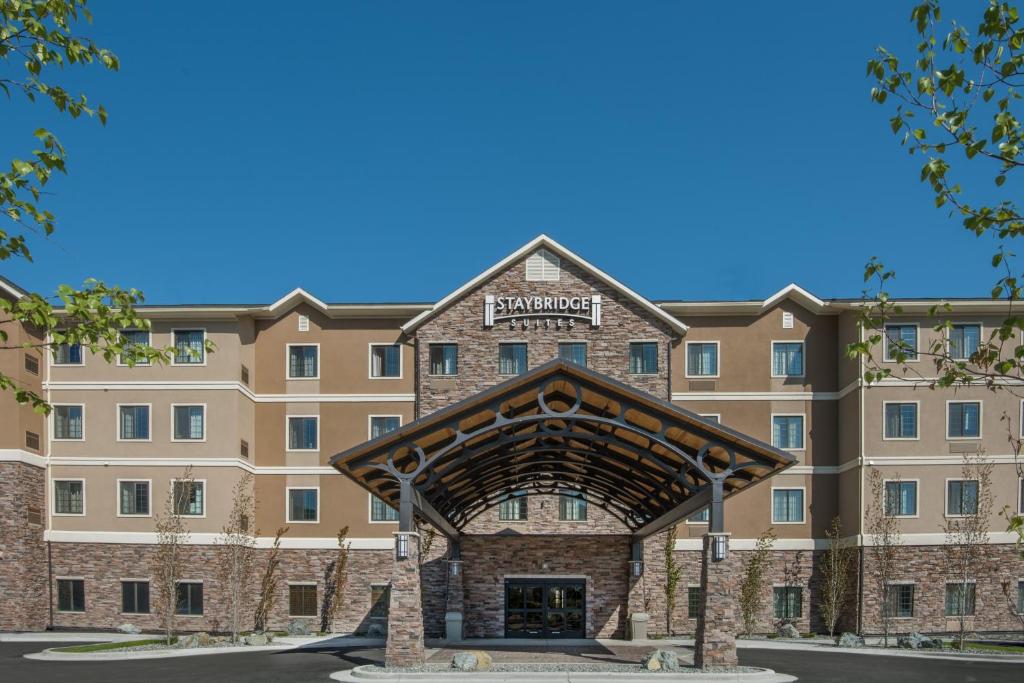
454,567
636,568
402,546
719,548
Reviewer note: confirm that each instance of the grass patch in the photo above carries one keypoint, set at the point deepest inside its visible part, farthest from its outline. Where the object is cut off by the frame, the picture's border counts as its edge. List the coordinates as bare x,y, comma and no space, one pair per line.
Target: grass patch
992,647
101,647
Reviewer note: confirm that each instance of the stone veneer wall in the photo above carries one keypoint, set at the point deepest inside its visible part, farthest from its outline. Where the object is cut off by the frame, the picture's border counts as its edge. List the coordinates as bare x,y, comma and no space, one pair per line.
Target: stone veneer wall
23,588
542,518
622,321
487,560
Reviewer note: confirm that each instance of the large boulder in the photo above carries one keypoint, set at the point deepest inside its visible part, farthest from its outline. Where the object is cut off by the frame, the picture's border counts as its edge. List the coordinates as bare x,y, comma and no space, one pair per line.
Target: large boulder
787,630
850,640
918,641
471,660
129,628
257,639
660,660
298,627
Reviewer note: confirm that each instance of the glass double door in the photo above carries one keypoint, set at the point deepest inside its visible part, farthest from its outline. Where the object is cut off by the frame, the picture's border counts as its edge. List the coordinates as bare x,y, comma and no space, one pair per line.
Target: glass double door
538,608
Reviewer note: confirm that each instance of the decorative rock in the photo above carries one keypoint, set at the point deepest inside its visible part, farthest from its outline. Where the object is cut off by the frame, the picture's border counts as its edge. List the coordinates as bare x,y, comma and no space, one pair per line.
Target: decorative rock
257,639
917,641
471,660
298,627
129,628
850,640
787,630
377,631
661,660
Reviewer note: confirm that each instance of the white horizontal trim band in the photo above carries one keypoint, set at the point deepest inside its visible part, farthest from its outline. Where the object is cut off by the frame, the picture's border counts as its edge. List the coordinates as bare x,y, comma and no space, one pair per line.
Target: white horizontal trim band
765,395
194,462
150,538
225,385
909,540
18,455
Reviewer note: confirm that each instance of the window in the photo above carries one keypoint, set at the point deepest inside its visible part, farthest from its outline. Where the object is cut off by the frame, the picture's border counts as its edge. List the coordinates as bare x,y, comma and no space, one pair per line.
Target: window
713,417
542,265
899,600
67,354
1020,597
189,423
71,595
961,497
303,433
385,361
572,507
302,600
302,505
133,423
303,361
135,597
900,339
190,498
380,600
901,498
643,358
67,423
189,347
702,517
513,508
574,352
511,359
190,598
382,424
960,599
963,420
69,497
787,602
381,511
243,448
133,498
444,359
31,364
130,340
787,359
702,359
693,602
787,506
964,341
901,420
788,431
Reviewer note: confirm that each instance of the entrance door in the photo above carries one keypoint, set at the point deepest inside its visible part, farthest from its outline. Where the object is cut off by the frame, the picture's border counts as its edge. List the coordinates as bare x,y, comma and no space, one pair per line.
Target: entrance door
544,608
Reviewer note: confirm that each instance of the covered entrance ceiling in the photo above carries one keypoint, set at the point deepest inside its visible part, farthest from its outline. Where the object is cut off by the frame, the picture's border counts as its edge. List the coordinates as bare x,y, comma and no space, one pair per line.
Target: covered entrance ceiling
561,427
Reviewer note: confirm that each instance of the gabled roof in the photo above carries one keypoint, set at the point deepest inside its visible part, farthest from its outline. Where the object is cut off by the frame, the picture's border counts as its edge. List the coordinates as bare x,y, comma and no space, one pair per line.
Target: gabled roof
798,294
11,288
293,298
792,292
556,248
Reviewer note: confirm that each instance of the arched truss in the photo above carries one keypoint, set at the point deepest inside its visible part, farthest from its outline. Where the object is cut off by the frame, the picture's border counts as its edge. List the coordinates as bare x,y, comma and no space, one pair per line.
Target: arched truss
561,427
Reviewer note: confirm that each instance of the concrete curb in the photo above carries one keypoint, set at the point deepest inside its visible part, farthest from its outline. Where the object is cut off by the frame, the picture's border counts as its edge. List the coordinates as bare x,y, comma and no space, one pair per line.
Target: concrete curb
877,651
364,673
68,637
280,644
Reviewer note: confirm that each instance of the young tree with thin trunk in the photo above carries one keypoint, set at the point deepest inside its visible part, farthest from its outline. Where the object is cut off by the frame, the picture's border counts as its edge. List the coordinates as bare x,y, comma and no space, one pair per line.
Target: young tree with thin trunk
169,560
235,551
268,584
673,575
835,575
886,539
966,529
752,586
334,583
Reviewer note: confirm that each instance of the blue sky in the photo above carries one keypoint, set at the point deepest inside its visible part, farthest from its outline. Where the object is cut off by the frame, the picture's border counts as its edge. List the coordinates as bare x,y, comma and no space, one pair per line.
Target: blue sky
389,151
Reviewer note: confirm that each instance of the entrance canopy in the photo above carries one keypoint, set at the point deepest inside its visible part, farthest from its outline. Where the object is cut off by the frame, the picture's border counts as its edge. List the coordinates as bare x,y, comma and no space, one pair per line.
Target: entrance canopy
561,428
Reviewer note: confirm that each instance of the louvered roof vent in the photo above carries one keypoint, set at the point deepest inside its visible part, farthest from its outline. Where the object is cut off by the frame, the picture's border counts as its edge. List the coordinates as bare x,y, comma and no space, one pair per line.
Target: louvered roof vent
542,265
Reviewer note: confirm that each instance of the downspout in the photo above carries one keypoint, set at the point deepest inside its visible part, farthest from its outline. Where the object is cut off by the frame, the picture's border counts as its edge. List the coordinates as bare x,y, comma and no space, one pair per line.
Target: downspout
46,494
860,486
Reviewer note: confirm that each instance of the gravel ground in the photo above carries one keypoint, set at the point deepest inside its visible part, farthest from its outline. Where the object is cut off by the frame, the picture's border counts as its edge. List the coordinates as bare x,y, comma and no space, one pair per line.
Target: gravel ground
582,667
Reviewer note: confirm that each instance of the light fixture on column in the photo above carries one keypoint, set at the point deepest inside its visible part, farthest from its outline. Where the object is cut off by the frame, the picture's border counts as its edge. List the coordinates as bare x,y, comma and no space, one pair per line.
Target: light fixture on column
719,547
454,567
636,568
401,546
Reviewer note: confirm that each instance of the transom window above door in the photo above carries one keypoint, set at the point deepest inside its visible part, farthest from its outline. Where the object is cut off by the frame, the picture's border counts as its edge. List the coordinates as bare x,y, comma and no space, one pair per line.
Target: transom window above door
702,359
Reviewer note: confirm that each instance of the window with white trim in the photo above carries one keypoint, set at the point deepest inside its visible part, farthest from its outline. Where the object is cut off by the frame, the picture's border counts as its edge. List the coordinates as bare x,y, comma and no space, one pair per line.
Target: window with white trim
513,508
961,497
964,340
787,359
901,498
383,424
901,420
701,517
787,506
788,431
133,423
303,361
900,343
190,498
69,497
303,505
303,433
543,266
67,354
189,423
189,347
702,359
385,361
899,600
133,498
131,340
68,422
964,420
380,511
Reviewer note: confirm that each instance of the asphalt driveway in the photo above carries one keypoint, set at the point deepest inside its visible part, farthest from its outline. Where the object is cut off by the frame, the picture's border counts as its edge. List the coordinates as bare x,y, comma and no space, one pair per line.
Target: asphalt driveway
313,665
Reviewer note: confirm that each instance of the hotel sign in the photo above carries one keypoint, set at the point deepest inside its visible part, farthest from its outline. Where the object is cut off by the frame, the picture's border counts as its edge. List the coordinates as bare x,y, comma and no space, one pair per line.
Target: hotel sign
557,312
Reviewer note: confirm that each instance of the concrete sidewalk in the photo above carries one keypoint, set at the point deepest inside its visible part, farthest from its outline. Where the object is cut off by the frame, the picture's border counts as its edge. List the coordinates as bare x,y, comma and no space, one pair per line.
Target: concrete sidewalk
363,674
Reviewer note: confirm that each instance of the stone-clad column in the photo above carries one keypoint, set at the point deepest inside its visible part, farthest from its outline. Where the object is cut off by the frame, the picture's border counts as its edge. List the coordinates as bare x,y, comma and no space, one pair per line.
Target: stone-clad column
635,599
455,600
405,611
718,620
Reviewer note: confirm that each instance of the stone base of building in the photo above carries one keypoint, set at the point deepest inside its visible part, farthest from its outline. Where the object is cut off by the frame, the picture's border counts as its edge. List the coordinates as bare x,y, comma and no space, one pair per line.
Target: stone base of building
24,592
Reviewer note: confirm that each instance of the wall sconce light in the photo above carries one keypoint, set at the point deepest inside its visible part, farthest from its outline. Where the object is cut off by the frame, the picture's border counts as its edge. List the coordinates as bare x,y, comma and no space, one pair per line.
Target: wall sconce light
401,546
454,567
719,548
636,568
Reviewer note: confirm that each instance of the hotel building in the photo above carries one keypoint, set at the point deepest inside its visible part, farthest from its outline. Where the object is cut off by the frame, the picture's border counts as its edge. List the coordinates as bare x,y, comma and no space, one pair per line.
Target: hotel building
558,530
